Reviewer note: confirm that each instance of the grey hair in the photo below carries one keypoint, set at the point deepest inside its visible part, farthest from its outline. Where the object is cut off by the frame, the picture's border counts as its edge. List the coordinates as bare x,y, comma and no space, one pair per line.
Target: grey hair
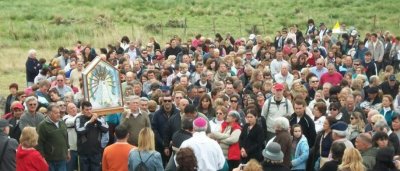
144,99
134,97
80,60
248,67
136,83
331,65
199,64
373,79
282,122
381,125
234,112
31,52
51,107
31,98
340,134
139,59
203,74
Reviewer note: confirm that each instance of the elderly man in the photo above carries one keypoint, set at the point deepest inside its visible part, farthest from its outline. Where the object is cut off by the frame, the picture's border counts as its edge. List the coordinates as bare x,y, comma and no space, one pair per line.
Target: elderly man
33,67
382,126
347,65
195,76
284,76
128,81
69,120
144,105
76,73
271,108
325,89
207,151
30,117
368,126
52,135
339,135
61,87
332,76
135,120
147,84
138,89
350,108
193,97
319,69
368,152
9,145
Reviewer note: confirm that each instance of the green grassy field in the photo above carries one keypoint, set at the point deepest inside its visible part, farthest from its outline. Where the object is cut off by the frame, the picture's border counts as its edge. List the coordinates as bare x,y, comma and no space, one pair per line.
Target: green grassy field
45,25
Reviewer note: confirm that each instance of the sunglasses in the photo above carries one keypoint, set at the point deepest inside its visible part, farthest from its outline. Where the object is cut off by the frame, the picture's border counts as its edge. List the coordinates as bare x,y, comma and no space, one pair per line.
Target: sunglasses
333,101
333,109
32,104
167,101
234,101
201,91
219,113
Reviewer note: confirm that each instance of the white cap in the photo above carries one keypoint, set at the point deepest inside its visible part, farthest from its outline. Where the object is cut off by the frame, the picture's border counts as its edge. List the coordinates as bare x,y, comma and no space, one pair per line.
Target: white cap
252,36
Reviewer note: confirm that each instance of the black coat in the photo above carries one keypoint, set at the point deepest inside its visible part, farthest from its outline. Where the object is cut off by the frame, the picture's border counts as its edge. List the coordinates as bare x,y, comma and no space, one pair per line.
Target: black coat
208,86
346,116
32,69
273,167
8,103
307,126
386,89
159,121
15,131
172,51
253,142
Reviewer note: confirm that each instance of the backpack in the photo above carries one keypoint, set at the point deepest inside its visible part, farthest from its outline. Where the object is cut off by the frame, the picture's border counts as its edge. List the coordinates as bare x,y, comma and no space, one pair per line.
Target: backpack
142,165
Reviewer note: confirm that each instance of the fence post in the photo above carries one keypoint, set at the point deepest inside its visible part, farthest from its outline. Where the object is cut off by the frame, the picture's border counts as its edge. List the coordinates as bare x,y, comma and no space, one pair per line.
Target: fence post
184,32
263,25
374,22
240,28
214,26
331,20
162,30
132,31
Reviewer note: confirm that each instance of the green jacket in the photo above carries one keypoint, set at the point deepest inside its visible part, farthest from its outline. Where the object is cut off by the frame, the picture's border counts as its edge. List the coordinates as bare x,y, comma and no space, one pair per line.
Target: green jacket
368,157
53,141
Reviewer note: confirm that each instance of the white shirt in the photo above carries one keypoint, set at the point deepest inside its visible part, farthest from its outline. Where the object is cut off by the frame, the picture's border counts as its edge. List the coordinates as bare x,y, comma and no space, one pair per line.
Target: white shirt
72,136
207,151
132,54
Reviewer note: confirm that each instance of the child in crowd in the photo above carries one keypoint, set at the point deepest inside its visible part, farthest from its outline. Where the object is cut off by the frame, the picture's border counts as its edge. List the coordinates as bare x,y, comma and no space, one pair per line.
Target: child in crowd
300,149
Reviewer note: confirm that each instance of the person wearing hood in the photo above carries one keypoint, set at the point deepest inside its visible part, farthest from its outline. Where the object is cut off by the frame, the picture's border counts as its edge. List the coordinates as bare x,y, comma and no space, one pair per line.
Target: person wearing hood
300,148
27,157
53,139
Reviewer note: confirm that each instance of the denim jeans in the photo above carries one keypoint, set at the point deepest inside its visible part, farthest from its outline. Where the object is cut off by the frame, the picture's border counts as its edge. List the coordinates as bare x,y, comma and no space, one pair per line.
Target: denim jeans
73,162
57,165
90,162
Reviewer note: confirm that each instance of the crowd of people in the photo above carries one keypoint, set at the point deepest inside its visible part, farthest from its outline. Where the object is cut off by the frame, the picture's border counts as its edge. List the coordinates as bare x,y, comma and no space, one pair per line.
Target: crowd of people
312,101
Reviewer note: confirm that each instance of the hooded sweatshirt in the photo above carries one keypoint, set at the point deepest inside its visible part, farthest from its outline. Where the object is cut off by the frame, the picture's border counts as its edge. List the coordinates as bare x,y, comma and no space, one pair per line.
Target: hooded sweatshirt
28,159
301,154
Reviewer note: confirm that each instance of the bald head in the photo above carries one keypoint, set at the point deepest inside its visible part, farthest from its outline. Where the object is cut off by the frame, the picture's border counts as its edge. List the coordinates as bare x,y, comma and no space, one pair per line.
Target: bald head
363,141
129,77
284,69
71,109
182,104
370,114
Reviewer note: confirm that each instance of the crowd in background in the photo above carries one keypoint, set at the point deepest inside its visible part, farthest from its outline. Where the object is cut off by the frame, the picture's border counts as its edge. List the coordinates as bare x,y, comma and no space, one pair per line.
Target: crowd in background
297,101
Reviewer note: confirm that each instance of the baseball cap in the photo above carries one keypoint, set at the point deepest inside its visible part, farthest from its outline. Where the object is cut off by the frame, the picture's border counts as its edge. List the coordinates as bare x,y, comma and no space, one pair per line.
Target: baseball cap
392,77
18,106
279,87
3,123
164,88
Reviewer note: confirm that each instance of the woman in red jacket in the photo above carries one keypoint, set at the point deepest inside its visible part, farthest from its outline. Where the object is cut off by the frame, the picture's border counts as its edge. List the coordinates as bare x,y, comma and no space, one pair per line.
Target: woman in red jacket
28,159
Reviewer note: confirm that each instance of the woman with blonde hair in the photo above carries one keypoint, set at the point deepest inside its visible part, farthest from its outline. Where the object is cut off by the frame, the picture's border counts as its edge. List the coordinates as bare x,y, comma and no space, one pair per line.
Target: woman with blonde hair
356,126
145,152
27,157
351,161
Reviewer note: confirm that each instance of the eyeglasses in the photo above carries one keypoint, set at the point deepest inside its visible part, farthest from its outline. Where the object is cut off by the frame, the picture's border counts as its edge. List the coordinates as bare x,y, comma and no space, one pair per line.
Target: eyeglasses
219,113
234,101
248,54
32,104
61,105
319,64
167,101
333,109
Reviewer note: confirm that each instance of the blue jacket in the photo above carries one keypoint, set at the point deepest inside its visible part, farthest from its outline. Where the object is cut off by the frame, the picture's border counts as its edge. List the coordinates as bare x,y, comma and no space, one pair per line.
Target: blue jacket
153,163
158,123
301,155
360,54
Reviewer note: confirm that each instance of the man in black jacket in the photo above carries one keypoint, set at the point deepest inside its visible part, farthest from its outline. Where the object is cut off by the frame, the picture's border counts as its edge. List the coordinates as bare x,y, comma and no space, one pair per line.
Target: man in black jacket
173,50
8,156
307,124
349,108
391,86
90,128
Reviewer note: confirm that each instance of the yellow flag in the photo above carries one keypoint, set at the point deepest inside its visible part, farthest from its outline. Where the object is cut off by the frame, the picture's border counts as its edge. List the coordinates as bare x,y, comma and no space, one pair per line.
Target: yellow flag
336,28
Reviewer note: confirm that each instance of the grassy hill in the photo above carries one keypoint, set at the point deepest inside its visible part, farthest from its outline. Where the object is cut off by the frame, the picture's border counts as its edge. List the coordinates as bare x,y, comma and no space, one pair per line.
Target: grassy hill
45,25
